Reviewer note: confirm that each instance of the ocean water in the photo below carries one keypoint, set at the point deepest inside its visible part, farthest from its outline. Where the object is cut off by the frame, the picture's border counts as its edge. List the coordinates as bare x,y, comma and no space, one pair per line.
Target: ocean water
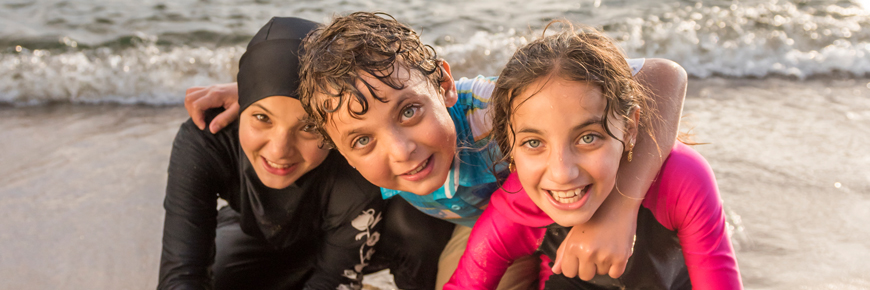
90,95
146,52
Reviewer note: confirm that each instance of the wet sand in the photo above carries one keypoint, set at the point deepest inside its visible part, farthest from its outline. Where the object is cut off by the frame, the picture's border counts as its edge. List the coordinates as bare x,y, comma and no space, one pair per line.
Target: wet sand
81,187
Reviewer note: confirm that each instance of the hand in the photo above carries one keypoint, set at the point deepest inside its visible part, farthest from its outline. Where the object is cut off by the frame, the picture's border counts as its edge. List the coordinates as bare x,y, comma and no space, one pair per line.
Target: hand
199,99
600,246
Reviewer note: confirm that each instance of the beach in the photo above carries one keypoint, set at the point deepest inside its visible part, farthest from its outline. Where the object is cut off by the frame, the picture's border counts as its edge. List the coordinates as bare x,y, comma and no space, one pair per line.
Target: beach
91,98
83,185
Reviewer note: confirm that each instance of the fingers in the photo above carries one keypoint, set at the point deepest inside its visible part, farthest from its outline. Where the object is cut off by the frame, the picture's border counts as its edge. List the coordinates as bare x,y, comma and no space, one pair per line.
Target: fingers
617,269
570,267
587,272
560,254
190,97
225,118
209,99
603,267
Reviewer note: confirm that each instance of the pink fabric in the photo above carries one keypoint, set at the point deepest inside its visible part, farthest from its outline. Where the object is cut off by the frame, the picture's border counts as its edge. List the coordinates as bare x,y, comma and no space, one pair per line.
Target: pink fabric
684,199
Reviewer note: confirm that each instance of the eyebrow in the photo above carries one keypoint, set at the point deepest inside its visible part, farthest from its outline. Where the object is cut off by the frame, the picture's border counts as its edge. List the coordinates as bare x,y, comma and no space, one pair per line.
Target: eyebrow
264,109
589,122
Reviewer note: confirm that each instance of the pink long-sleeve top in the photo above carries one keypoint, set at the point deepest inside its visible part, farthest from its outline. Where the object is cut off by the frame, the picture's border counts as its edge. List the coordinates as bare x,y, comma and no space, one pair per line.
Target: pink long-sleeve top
684,199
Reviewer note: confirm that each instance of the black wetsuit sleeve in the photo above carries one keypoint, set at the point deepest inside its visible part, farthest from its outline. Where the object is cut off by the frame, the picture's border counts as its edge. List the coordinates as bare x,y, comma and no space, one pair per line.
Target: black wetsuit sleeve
200,167
351,225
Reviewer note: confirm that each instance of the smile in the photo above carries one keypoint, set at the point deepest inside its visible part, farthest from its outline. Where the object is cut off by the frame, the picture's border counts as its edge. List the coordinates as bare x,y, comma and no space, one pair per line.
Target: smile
276,165
568,196
569,199
419,168
421,171
277,168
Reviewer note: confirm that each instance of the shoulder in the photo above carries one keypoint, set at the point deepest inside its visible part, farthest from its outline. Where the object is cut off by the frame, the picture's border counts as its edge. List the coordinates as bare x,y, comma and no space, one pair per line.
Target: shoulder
197,148
686,191
346,192
475,92
686,166
512,202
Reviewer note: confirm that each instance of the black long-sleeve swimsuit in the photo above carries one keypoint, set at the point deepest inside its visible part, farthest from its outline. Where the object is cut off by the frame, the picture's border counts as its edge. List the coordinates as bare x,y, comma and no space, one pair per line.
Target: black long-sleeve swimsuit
315,234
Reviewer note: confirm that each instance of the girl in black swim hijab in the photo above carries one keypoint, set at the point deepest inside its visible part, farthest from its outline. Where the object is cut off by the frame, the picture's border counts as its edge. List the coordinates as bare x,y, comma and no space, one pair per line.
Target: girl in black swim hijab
298,215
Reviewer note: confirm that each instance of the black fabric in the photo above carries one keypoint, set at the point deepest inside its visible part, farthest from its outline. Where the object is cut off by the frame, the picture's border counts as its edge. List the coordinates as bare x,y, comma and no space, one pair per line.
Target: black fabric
246,262
411,244
270,66
312,223
657,261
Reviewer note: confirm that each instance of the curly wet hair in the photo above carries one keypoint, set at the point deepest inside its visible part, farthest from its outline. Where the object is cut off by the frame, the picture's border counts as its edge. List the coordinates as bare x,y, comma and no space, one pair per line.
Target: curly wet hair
575,54
336,55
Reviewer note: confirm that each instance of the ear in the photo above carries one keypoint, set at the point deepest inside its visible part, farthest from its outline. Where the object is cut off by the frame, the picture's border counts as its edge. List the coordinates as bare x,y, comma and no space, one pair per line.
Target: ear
448,87
632,125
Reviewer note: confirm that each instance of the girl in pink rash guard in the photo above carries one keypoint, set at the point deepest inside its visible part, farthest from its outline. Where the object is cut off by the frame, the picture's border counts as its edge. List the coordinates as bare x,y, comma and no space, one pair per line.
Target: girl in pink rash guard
566,115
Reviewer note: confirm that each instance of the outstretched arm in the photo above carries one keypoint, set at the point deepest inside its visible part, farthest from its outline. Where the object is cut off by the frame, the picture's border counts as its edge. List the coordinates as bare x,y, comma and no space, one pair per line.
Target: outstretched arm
604,243
199,99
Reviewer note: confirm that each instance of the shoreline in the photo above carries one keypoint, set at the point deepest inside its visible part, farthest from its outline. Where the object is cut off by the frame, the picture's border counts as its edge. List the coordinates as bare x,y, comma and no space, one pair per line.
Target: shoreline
83,185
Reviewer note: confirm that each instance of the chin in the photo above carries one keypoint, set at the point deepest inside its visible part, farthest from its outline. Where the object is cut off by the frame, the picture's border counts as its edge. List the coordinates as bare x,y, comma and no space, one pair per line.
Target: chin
276,184
570,220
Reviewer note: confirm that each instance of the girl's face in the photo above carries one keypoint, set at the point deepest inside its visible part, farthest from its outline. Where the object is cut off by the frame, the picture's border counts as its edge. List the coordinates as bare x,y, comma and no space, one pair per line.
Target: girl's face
280,142
565,159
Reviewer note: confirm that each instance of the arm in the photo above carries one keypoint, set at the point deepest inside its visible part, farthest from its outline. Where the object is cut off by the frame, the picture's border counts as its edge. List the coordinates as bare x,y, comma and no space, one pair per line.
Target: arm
695,211
194,177
494,244
604,244
352,225
199,99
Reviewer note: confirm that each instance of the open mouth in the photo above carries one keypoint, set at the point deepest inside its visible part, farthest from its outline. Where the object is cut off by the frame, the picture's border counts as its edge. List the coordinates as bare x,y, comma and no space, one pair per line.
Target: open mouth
419,168
421,171
276,165
569,199
278,168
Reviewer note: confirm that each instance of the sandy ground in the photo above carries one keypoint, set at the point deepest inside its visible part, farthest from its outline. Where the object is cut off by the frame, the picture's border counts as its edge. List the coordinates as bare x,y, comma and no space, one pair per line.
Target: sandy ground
81,187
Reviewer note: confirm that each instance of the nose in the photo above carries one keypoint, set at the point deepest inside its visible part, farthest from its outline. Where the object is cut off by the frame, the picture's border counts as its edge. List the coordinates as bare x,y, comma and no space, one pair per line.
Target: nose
562,165
282,145
401,146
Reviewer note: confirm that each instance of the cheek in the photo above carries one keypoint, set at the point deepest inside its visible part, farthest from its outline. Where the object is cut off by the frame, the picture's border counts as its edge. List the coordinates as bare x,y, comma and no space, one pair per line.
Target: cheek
530,170
251,141
311,151
371,168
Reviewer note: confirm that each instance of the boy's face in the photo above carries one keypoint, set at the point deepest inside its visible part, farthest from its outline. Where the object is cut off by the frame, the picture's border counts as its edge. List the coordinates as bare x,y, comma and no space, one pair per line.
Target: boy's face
407,143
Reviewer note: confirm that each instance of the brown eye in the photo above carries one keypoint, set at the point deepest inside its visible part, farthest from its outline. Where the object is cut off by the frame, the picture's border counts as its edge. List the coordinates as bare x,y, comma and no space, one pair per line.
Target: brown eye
262,118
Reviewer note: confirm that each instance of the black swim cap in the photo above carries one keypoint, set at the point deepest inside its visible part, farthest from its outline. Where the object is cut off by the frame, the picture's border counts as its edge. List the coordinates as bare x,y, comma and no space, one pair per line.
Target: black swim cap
270,66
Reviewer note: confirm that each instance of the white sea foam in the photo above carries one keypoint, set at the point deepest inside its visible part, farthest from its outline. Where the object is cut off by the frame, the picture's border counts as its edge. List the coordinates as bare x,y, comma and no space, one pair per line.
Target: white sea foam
754,41
146,74
776,38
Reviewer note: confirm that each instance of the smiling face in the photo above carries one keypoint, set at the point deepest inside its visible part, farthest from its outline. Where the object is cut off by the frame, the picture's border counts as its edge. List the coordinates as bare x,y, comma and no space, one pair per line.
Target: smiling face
279,141
406,143
564,157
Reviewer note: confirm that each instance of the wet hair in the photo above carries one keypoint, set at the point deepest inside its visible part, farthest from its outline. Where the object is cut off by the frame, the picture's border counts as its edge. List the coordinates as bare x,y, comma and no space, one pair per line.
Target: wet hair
584,55
350,46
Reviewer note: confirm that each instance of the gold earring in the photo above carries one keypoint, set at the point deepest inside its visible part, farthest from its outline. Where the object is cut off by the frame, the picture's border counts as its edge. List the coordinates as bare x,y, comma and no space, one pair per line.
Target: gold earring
511,166
630,151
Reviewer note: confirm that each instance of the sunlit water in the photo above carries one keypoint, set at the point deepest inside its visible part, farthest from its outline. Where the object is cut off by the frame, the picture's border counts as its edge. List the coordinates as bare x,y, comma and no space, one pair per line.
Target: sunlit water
779,90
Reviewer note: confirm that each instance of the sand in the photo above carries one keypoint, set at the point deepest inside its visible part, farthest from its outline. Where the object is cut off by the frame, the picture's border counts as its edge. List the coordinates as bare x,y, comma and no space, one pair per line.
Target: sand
81,187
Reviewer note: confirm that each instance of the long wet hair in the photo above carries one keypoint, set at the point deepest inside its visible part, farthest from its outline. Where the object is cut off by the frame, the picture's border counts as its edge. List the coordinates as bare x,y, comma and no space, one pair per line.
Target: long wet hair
577,54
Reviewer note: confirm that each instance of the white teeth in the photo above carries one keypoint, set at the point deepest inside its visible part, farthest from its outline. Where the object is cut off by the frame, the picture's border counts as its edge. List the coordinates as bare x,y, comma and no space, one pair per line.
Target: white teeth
276,165
569,196
419,168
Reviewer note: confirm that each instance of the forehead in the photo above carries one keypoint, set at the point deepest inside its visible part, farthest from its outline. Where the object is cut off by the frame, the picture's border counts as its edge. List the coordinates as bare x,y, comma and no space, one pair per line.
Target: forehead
559,99
380,97
279,107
